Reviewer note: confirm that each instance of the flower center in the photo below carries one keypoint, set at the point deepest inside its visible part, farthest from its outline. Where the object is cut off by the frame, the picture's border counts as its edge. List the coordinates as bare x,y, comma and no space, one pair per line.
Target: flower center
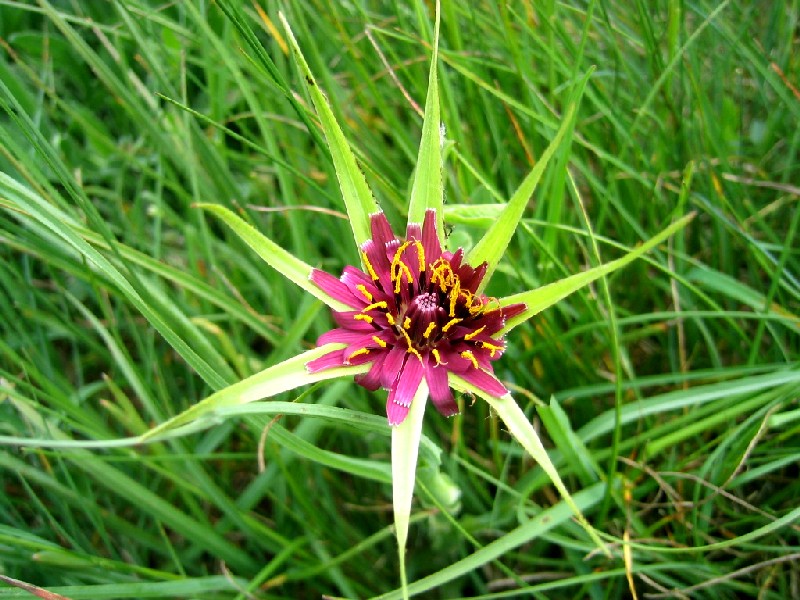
426,303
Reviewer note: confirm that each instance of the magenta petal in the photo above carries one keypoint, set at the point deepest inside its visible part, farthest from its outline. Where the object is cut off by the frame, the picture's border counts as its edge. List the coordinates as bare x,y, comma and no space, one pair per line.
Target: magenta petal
403,391
407,384
430,237
353,278
440,393
347,320
456,258
326,361
485,381
377,256
471,278
372,378
414,232
512,310
381,230
340,336
334,288
393,365
455,363
396,413
360,359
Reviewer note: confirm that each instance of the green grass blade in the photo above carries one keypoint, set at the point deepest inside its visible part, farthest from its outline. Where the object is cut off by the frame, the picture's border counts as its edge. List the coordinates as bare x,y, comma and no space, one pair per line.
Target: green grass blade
28,202
525,533
357,196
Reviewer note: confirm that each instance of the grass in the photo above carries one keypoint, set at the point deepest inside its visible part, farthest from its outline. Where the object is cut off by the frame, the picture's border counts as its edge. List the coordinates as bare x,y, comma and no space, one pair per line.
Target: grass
667,393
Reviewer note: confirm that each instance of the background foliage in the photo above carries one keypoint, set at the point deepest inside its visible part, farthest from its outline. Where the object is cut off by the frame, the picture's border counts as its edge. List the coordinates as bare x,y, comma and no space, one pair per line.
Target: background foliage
122,304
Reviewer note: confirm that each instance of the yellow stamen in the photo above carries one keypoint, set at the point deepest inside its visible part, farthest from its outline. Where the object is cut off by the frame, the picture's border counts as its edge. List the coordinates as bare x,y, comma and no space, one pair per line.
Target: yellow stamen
390,320
367,264
470,357
450,323
473,334
397,277
362,317
407,323
364,292
398,268
470,299
358,352
410,349
380,342
442,275
382,304
454,293
493,348
429,330
437,356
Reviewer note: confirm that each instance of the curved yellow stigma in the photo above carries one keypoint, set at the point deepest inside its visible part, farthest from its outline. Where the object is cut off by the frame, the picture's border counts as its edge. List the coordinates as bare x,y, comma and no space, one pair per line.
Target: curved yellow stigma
429,330
442,275
379,341
493,348
368,265
454,294
358,352
363,317
470,357
398,268
437,356
382,304
364,292
473,334
450,323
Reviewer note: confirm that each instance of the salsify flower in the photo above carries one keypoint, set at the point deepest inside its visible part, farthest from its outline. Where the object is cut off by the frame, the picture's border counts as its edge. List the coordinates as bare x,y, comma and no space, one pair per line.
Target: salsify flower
414,319
417,313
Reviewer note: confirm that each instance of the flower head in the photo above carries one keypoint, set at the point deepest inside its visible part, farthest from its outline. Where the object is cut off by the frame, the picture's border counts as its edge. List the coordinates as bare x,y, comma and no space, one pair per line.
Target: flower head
416,313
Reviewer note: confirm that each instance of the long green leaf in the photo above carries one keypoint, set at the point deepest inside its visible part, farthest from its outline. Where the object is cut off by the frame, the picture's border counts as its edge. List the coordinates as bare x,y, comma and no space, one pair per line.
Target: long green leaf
427,190
358,198
520,427
544,297
494,242
405,449
288,375
288,265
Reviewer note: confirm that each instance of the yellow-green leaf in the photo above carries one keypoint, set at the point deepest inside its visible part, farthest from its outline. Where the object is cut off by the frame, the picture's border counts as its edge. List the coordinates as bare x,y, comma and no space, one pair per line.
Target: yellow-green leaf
405,449
285,376
427,189
288,265
358,199
494,243
541,298
521,428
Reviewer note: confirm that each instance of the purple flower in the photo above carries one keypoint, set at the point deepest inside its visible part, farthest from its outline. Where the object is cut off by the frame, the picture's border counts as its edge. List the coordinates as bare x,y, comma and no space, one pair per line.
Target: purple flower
416,313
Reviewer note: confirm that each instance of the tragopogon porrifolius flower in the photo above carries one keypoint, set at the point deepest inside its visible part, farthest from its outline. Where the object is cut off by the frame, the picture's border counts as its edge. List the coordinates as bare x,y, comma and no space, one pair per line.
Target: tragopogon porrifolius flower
416,314
414,318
